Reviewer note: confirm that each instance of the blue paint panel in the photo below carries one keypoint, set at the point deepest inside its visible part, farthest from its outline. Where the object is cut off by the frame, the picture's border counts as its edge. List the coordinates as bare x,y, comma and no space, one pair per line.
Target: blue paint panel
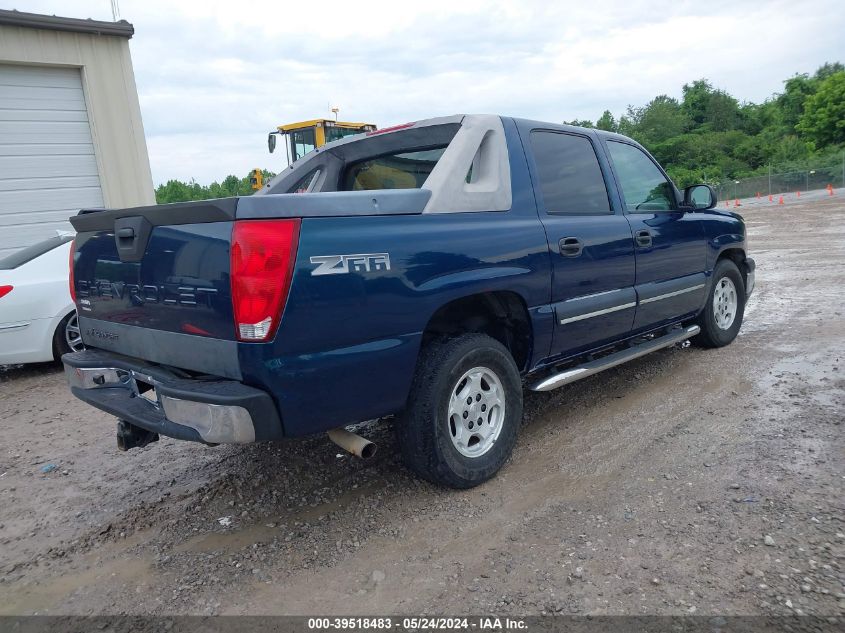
678,245
724,230
666,300
323,390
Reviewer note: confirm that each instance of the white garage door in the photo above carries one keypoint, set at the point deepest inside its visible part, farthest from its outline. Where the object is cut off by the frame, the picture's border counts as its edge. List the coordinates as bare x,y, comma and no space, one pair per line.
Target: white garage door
47,166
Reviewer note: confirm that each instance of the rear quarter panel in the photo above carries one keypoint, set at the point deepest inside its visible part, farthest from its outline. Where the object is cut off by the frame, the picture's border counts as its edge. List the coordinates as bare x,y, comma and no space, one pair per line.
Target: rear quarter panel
348,343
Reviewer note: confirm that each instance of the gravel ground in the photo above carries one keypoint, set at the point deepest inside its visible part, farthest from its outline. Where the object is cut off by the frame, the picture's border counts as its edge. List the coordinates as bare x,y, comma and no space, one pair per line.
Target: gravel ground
689,481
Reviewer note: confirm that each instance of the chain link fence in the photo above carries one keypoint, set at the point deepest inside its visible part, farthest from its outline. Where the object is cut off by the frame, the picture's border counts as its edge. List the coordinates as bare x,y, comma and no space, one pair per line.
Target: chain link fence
788,182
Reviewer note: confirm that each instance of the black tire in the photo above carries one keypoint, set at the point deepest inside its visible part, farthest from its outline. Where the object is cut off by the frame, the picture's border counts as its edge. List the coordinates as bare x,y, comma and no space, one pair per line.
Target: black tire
60,341
423,430
712,335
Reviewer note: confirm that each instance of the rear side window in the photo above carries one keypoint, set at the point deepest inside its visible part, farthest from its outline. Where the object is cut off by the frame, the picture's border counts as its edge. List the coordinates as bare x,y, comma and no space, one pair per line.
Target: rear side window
644,186
26,255
305,183
571,181
406,170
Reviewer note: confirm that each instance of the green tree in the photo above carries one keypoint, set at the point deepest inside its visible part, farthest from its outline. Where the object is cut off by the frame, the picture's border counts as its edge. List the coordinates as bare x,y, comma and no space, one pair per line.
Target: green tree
710,136
708,107
607,123
661,119
178,191
827,69
579,122
695,100
823,119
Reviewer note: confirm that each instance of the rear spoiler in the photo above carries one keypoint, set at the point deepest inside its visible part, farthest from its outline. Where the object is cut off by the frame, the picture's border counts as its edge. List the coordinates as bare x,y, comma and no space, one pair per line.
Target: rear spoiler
283,205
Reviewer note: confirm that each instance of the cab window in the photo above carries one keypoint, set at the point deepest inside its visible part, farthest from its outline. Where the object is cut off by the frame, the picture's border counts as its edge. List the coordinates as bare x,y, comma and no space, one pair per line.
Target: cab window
644,187
570,178
406,170
336,133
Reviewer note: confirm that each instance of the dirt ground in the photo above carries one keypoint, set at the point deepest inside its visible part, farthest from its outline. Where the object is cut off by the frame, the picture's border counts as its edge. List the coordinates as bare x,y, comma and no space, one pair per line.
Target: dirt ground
689,481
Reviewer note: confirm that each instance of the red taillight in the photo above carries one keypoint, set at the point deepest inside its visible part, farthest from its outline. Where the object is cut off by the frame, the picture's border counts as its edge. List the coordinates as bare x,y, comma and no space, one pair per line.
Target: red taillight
263,255
4,290
70,273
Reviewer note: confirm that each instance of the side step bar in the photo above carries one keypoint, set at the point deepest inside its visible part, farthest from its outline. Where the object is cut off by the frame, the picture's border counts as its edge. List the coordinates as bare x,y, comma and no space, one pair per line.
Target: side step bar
616,358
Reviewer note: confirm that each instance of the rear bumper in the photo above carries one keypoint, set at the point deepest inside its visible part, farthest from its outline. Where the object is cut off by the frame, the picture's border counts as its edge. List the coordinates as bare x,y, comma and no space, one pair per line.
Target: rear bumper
209,410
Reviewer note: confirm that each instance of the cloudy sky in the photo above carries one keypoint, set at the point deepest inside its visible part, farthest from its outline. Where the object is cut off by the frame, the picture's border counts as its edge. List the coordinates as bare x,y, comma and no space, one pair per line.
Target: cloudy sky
215,76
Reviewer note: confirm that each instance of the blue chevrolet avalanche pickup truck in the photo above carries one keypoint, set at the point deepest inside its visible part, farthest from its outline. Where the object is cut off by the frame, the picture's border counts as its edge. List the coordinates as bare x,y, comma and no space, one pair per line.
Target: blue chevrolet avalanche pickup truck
431,271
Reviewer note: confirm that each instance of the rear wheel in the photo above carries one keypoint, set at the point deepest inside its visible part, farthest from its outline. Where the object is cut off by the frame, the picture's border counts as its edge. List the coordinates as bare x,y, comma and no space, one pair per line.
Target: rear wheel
722,315
67,337
464,411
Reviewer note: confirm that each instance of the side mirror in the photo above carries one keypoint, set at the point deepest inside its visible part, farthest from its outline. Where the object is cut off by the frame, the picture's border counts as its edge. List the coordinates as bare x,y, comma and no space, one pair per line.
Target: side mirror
698,197
271,141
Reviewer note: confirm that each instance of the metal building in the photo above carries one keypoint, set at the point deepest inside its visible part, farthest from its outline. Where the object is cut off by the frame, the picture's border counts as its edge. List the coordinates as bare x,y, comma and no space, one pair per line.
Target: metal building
71,134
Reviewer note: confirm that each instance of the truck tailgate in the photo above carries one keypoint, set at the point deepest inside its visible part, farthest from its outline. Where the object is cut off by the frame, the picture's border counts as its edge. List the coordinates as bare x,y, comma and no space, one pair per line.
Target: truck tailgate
181,283
155,284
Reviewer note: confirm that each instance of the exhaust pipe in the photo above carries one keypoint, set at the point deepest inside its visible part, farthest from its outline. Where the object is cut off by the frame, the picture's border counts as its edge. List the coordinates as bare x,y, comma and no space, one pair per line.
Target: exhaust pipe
352,442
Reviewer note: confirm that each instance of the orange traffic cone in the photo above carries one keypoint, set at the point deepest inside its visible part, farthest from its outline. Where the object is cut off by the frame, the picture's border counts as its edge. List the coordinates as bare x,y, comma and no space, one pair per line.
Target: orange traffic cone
736,203
797,194
829,189
780,200
770,197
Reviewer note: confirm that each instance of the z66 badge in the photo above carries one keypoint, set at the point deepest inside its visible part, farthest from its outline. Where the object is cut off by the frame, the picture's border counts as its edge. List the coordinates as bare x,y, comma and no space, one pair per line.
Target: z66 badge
340,264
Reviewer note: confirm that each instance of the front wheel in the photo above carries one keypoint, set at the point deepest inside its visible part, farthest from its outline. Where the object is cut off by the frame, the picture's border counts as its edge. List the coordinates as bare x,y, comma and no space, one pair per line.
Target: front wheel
464,411
722,315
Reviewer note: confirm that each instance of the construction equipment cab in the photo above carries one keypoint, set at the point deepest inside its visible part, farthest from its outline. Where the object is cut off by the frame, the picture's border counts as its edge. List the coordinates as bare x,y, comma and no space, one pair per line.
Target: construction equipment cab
301,138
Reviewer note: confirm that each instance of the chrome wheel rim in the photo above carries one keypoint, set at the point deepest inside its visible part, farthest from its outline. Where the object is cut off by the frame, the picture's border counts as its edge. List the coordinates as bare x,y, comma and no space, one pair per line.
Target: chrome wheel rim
725,303
73,337
476,411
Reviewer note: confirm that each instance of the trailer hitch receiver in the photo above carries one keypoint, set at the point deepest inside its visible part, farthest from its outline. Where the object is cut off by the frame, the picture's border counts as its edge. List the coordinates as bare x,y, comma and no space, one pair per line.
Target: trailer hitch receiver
131,436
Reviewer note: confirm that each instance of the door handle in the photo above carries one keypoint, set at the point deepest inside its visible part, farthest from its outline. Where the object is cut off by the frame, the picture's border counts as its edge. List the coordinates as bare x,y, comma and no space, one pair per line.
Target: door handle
643,238
570,247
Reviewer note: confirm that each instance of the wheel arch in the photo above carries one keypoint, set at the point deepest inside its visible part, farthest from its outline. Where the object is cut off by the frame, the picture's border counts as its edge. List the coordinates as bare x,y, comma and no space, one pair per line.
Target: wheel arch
738,256
501,314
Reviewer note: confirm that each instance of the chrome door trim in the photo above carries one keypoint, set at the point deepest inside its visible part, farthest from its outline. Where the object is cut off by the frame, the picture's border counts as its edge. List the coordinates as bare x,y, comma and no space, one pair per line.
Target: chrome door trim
672,294
590,315
596,294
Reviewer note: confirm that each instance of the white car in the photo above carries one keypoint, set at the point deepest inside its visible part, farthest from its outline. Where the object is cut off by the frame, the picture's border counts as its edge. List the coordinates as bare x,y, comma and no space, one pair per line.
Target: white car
37,317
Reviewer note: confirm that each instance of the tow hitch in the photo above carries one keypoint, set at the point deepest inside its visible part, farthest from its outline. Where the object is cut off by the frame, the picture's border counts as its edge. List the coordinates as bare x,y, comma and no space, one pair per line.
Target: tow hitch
131,436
